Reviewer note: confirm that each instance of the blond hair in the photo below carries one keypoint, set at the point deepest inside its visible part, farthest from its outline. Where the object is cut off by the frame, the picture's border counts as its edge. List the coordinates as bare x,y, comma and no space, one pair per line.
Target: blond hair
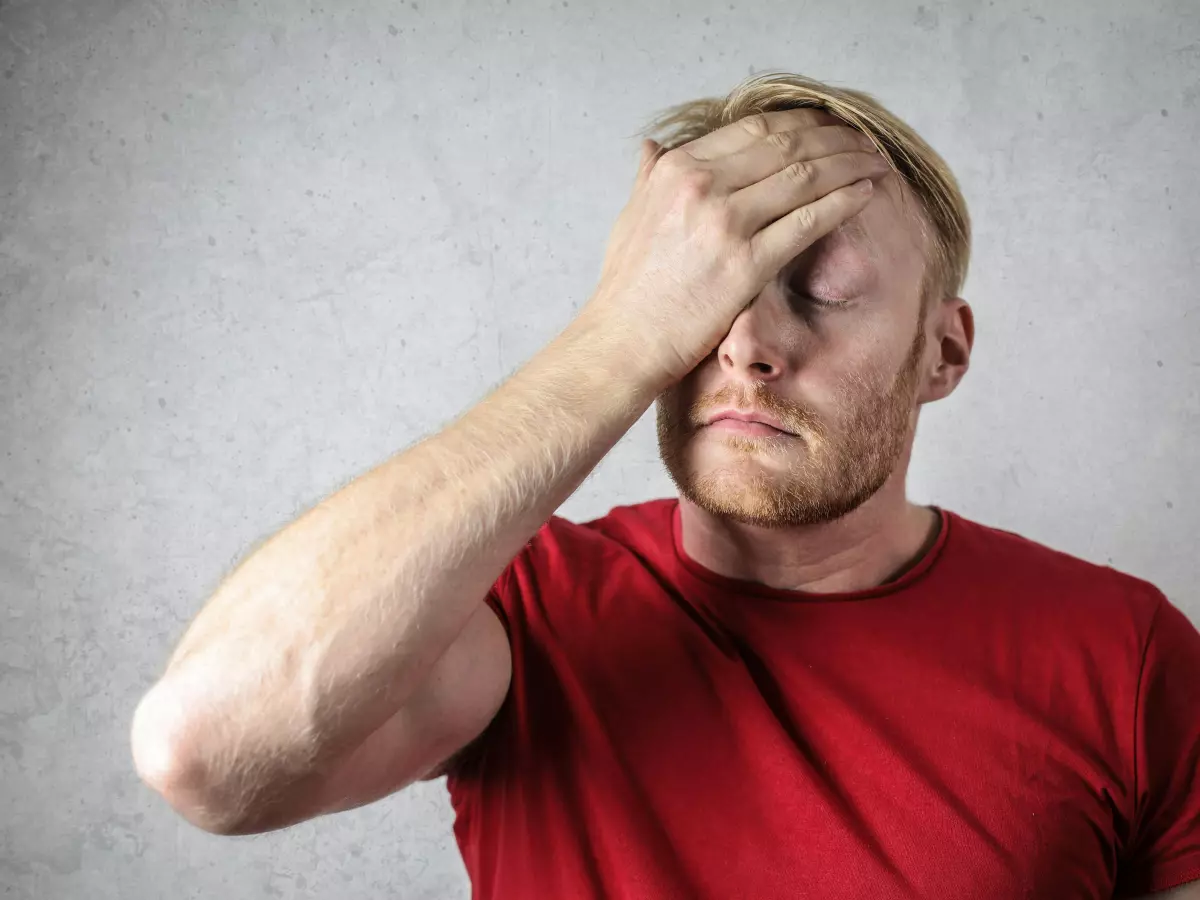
916,163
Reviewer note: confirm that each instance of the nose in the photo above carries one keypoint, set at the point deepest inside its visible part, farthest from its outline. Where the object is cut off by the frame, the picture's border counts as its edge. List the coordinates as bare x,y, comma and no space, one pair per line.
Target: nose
752,349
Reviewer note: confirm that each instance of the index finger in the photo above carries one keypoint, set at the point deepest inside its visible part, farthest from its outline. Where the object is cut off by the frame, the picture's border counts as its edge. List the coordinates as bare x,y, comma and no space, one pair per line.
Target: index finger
745,131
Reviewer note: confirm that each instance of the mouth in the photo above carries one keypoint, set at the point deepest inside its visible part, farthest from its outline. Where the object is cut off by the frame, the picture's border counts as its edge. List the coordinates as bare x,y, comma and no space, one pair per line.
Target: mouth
747,427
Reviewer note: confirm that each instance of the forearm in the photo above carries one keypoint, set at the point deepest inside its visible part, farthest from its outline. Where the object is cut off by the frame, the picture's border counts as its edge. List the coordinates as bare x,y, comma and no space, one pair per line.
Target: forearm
320,635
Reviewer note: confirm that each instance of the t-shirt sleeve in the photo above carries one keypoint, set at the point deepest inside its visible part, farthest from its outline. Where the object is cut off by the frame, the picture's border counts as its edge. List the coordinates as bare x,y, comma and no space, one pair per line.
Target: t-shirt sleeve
1164,849
518,583
503,594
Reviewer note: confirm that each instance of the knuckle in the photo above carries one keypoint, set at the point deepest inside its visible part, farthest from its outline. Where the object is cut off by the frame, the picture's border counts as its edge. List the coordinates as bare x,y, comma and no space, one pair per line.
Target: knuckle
864,141
725,221
800,173
756,124
695,182
672,161
786,142
804,221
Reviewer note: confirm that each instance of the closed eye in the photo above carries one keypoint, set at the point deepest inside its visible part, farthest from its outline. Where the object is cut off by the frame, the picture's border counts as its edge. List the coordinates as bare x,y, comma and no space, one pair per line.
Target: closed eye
803,299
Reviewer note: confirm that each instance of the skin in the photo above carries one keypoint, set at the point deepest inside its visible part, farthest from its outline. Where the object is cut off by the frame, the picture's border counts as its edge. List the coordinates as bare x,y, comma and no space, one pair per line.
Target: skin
833,348
351,654
822,509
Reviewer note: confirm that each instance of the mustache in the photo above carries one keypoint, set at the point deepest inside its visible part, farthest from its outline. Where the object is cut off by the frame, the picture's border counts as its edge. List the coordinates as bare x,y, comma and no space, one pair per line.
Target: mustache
795,417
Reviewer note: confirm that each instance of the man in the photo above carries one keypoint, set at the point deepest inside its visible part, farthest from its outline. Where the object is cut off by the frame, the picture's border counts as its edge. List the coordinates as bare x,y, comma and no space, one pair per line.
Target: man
790,682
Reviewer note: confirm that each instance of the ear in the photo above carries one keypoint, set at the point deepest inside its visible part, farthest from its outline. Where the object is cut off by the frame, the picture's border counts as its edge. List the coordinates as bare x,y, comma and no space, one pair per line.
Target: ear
950,327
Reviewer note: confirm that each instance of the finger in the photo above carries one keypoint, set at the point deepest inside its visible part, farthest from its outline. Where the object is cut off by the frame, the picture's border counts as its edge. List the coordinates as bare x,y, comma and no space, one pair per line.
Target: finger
780,149
756,206
650,151
783,240
753,128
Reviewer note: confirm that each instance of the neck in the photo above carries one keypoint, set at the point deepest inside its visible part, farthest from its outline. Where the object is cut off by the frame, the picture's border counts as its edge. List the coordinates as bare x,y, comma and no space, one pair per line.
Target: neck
873,544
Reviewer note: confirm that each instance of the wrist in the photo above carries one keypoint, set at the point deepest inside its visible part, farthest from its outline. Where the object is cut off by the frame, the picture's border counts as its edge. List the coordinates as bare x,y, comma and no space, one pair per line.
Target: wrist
624,355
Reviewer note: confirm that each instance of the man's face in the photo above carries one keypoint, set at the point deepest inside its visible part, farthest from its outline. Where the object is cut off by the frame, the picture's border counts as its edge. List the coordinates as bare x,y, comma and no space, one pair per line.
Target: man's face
841,377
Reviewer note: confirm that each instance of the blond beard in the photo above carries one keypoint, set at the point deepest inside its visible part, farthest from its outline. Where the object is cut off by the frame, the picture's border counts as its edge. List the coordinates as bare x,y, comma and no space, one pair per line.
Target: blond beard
836,472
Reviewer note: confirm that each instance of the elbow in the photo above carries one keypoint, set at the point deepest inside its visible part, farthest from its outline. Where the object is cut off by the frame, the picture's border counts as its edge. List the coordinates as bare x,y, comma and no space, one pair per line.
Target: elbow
167,761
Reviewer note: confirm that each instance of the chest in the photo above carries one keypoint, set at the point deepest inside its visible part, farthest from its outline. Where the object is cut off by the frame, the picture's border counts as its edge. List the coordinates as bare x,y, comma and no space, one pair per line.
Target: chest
837,758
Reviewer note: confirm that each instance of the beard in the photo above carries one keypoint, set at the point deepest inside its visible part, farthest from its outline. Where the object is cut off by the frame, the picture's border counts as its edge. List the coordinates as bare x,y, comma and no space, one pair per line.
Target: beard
827,471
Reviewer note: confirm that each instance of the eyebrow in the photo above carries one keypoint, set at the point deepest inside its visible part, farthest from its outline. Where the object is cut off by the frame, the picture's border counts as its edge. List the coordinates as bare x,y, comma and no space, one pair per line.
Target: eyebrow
852,229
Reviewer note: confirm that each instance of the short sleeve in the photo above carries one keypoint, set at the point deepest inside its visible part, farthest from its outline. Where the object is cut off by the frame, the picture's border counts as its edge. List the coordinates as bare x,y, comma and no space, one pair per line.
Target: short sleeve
520,577
507,597
503,594
1164,849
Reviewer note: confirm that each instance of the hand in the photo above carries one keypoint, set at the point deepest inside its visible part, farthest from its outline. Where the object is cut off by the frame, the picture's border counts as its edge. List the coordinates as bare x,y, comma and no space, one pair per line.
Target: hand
711,222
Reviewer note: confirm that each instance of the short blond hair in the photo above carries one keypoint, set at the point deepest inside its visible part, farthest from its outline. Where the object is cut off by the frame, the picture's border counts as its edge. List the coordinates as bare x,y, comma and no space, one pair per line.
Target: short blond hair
916,163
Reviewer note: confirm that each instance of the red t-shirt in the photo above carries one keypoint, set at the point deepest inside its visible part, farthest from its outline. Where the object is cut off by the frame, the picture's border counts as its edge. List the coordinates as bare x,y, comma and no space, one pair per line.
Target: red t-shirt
1003,721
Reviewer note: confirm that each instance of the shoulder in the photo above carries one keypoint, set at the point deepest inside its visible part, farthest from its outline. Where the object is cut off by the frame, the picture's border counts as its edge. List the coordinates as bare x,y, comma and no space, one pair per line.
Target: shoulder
1023,567
641,528
575,557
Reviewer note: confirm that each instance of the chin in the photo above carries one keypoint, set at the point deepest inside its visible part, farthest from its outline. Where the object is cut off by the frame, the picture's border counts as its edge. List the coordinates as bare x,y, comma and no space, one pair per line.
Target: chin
734,458
745,480
773,483
752,498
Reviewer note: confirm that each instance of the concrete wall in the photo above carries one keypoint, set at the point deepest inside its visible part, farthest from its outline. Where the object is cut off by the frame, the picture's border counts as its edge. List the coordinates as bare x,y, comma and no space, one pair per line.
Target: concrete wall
248,250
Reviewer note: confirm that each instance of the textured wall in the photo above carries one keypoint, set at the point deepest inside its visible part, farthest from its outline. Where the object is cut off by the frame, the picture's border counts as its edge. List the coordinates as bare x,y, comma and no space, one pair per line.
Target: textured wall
250,249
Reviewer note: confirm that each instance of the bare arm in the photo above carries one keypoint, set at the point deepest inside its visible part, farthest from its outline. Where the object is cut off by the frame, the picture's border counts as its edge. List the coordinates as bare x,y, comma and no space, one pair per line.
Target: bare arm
352,652
323,634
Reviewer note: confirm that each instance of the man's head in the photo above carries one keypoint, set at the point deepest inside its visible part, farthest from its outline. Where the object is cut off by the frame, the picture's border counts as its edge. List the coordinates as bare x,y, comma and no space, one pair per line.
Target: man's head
841,348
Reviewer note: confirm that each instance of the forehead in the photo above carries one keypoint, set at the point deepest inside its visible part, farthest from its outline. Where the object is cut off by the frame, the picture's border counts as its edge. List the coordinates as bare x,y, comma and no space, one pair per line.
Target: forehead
853,233
886,232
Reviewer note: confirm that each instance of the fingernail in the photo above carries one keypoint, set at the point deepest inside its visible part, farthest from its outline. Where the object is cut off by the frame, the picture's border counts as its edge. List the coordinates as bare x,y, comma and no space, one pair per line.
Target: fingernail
866,185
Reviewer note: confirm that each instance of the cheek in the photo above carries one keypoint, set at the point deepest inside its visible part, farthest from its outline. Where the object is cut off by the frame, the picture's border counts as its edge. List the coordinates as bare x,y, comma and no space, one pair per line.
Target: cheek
842,372
673,404
702,381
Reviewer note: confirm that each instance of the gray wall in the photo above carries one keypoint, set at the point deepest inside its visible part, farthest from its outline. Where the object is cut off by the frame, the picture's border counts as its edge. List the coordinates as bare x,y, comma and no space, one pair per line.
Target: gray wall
248,250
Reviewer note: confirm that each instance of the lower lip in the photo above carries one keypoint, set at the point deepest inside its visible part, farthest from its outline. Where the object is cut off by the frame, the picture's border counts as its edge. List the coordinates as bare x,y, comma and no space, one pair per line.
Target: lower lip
737,426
